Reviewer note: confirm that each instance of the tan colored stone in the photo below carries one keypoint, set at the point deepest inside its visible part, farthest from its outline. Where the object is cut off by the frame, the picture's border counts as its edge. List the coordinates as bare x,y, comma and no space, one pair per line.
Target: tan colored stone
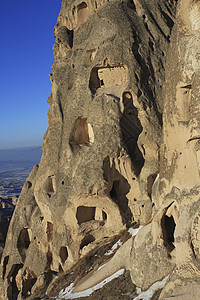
122,148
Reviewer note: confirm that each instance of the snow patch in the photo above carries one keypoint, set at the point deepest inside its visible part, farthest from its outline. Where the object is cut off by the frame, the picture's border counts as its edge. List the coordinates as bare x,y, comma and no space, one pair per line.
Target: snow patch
149,293
134,231
67,292
99,268
114,247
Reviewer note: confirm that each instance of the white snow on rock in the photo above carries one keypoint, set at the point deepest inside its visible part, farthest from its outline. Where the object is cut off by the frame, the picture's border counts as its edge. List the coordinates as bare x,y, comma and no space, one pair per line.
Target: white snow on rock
99,268
114,247
149,293
134,231
67,292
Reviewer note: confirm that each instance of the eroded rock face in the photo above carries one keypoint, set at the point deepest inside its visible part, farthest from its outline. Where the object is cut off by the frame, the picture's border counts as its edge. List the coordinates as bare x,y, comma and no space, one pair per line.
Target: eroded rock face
110,160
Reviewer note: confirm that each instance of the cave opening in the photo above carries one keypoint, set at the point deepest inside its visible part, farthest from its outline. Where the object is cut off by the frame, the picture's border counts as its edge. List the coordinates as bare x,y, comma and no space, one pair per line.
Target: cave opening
82,13
23,243
104,215
49,258
108,76
49,231
168,227
86,241
63,254
79,134
120,188
12,290
85,214
150,181
28,282
131,128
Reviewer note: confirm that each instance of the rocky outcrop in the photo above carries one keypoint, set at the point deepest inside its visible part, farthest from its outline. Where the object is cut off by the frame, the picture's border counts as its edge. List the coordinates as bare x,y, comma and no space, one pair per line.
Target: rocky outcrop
121,151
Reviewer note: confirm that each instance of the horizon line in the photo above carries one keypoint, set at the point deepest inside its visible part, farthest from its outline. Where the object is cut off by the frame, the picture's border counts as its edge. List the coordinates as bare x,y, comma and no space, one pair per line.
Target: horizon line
23,147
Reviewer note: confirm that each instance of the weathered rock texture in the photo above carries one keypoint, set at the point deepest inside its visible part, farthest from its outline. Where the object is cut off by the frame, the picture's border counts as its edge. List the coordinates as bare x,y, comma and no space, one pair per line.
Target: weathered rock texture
122,150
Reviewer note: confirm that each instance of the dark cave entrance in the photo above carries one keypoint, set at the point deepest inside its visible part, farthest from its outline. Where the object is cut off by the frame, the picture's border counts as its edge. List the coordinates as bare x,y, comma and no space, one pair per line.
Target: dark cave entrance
168,227
131,128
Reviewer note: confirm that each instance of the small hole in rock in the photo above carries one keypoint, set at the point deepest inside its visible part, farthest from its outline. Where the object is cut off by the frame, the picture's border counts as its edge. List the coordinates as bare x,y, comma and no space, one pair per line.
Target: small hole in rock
23,243
49,259
104,215
86,241
5,262
60,269
101,82
49,231
29,184
63,254
150,181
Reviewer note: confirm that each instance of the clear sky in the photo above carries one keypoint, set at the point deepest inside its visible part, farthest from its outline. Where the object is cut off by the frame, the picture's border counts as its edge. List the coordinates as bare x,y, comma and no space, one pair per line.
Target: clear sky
26,56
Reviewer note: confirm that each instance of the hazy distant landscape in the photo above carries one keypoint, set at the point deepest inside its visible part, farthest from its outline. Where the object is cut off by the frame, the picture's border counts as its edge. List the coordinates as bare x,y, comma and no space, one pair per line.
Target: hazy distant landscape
15,166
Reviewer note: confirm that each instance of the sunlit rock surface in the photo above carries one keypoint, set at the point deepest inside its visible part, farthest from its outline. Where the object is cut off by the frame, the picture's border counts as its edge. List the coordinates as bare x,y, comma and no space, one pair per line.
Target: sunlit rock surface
121,151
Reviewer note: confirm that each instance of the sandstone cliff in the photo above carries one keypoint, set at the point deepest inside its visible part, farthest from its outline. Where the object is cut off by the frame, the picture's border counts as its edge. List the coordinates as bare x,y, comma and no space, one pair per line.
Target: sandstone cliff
116,192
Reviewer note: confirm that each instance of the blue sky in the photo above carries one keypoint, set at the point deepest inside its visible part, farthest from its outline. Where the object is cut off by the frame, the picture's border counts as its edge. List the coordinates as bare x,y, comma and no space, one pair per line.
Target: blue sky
26,54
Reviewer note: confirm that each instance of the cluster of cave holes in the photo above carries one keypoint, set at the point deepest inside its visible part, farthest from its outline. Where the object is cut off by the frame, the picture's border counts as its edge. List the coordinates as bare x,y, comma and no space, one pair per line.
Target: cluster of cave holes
87,213
23,243
168,227
107,77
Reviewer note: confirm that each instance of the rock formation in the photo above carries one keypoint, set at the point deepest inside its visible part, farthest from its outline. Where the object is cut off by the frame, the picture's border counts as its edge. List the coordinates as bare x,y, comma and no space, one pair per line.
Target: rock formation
121,151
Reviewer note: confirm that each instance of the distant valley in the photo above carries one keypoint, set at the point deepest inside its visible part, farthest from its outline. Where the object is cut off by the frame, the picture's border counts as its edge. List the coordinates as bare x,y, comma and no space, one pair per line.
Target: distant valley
26,154
15,166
